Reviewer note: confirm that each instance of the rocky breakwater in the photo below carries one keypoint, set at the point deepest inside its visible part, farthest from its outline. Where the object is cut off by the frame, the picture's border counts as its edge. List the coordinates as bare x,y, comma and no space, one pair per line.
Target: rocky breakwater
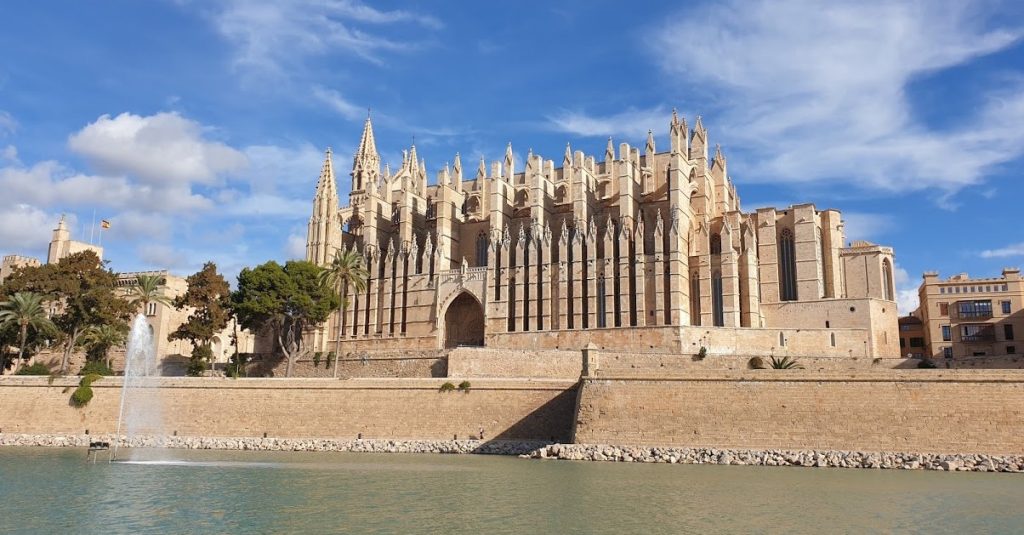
809,458
491,447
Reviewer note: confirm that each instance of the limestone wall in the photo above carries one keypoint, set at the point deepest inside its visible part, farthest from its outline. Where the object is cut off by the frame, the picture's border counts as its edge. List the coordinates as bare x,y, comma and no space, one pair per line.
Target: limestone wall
483,362
914,410
616,363
295,408
361,364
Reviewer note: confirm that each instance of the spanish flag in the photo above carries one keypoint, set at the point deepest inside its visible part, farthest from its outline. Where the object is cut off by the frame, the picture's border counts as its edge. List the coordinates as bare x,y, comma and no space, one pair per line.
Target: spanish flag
104,224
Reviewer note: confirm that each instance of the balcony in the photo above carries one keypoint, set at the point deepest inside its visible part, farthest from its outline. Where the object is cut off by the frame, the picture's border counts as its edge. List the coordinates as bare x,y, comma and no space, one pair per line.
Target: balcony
972,314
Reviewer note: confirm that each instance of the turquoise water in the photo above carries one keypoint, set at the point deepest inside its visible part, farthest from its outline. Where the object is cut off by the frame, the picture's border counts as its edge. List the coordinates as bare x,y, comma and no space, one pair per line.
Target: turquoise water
55,491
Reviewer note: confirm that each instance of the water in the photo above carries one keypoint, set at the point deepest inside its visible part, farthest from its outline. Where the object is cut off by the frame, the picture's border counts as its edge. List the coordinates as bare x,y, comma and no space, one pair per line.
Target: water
55,491
141,413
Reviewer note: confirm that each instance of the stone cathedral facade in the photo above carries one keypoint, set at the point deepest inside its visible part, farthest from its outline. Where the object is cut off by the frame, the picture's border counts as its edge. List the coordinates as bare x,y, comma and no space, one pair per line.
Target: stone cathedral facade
638,249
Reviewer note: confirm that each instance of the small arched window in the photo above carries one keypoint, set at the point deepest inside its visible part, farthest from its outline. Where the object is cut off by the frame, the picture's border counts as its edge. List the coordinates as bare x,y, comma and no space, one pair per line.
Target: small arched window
888,289
716,243
787,266
481,249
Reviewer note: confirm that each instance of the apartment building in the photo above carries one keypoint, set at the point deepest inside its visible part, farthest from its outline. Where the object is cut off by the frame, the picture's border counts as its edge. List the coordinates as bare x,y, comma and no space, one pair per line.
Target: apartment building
966,317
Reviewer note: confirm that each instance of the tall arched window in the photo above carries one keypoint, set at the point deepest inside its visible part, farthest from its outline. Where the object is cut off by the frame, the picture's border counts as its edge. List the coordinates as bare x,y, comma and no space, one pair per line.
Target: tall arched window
716,244
887,280
787,266
481,249
716,299
695,298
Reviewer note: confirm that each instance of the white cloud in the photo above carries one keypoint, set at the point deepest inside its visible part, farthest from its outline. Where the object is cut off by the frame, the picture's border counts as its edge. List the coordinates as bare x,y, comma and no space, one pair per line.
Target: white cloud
268,35
158,149
818,92
907,298
339,104
295,247
7,124
632,123
9,153
1014,249
25,229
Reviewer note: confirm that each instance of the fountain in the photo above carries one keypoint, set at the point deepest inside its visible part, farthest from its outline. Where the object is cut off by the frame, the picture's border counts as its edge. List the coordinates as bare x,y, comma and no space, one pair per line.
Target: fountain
140,404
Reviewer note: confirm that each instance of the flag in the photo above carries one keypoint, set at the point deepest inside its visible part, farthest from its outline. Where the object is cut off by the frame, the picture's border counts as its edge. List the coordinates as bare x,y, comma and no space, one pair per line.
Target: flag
104,224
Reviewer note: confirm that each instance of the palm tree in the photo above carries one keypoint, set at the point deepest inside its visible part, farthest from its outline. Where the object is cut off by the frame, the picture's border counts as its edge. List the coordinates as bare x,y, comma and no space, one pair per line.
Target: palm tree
785,363
345,272
99,339
147,289
24,309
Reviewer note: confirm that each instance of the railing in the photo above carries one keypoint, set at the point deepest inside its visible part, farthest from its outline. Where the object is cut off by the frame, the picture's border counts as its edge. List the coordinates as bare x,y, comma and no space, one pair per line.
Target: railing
972,314
980,337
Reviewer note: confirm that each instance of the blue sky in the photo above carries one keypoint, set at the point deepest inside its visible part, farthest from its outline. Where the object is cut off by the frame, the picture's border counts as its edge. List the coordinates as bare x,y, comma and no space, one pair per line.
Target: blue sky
198,127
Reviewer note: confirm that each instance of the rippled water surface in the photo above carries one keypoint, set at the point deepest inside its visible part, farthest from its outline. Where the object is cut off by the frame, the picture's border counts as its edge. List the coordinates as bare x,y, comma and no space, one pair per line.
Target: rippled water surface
55,491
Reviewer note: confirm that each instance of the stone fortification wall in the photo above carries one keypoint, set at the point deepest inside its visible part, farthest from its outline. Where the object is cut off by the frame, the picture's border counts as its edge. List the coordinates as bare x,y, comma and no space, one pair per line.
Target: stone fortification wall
617,363
361,364
832,342
896,410
304,408
483,362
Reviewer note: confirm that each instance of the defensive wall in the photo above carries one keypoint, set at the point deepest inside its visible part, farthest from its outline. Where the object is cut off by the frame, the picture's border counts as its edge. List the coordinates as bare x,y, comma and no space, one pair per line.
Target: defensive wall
925,411
303,408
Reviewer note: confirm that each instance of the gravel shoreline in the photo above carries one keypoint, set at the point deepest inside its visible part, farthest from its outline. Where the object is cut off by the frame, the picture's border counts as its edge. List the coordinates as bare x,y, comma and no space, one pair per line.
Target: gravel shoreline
546,450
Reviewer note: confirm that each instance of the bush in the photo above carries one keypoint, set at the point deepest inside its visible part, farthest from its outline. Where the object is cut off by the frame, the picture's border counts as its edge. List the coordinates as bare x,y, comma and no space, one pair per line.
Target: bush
88,380
197,363
96,367
702,353
785,363
316,359
464,386
81,396
330,359
447,387
236,365
36,369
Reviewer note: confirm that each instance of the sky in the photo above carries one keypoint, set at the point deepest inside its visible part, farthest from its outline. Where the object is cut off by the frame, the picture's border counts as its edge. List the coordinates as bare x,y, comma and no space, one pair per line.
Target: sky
198,127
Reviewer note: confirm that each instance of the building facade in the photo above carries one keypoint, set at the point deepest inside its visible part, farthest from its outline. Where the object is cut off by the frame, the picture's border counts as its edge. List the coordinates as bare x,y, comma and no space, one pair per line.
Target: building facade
639,246
967,317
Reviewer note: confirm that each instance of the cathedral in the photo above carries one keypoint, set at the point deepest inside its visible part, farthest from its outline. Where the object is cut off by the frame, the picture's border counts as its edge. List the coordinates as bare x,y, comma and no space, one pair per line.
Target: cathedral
638,250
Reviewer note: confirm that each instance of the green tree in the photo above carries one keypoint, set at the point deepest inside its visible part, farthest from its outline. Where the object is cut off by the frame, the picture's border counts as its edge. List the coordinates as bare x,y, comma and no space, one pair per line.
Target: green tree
345,273
98,340
26,310
85,291
284,300
209,298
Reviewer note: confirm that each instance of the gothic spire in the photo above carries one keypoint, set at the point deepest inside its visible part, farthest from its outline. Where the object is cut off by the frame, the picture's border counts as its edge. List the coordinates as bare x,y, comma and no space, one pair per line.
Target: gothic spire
609,151
325,185
366,158
650,143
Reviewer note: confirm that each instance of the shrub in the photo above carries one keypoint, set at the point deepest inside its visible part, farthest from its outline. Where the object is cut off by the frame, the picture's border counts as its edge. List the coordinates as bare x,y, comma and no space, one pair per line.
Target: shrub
330,359
785,363
702,353
81,396
316,359
236,365
755,363
447,387
197,363
96,367
88,380
36,369
464,386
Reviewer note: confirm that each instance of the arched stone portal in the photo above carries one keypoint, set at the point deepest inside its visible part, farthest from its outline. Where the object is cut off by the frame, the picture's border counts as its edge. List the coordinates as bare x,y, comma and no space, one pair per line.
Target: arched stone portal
464,322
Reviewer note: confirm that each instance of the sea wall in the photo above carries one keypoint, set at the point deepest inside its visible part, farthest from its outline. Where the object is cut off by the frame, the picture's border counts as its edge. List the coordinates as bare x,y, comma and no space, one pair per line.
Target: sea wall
922,411
404,363
485,362
303,408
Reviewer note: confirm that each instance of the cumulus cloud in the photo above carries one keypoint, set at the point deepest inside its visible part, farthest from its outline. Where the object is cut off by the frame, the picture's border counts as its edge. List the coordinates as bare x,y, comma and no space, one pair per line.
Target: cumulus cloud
1012,250
818,92
270,34
907,298
295,247
25,229
631,123
158,149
